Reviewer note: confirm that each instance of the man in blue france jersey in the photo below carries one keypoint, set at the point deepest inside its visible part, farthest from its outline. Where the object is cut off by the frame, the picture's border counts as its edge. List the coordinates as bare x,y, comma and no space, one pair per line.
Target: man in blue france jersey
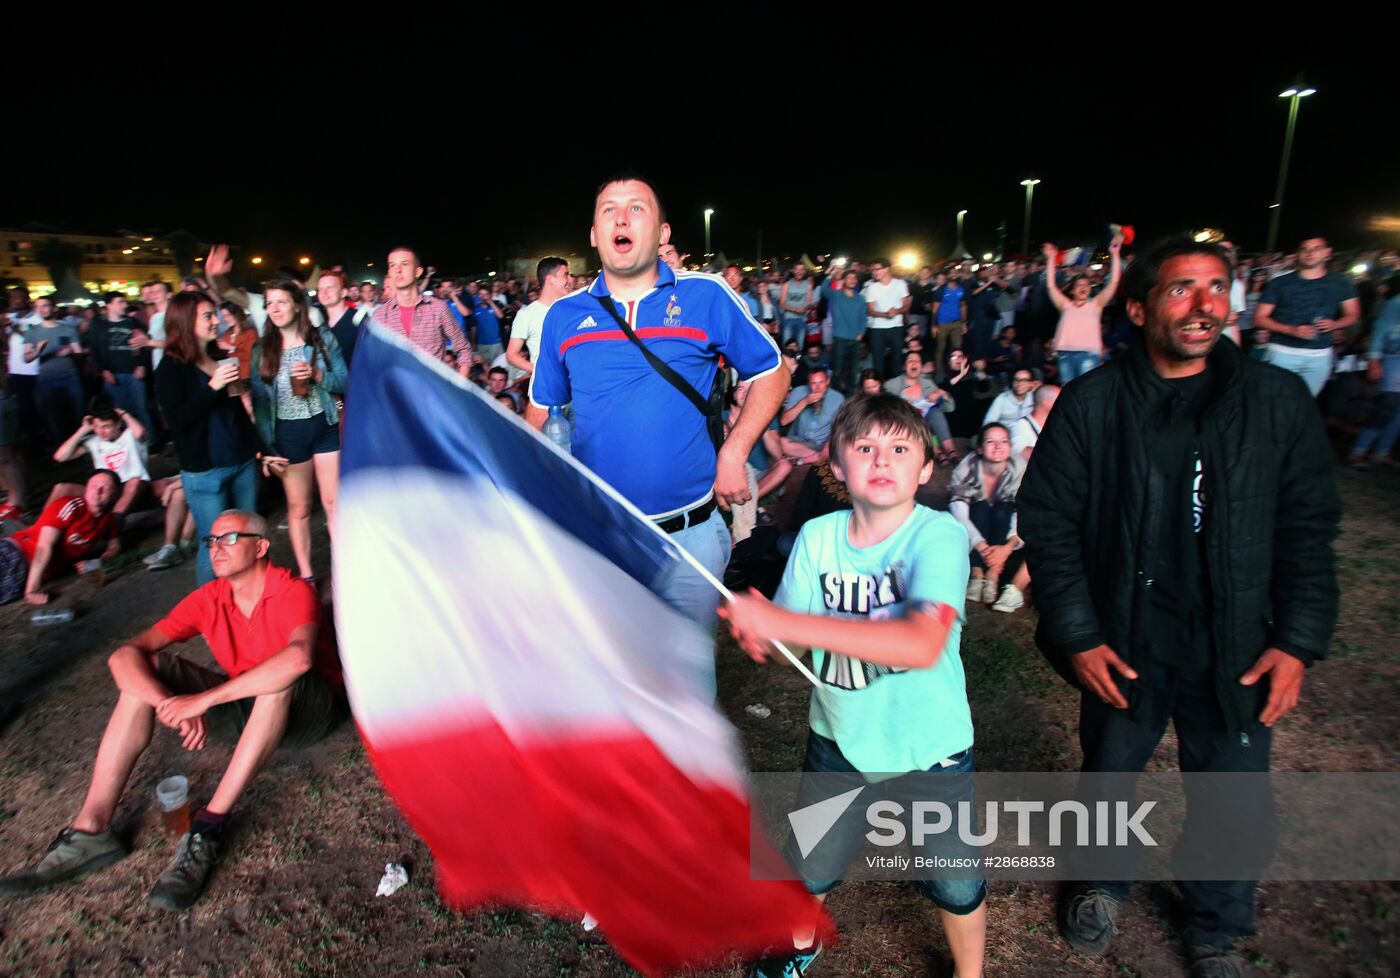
631,426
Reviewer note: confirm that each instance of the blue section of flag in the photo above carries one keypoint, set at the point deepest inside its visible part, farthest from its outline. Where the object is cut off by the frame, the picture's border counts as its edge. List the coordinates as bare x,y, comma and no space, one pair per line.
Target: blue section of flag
407,412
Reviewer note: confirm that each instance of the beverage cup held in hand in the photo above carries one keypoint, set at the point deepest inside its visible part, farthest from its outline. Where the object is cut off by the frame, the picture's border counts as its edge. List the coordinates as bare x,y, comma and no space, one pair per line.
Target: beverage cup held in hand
173,795
301,386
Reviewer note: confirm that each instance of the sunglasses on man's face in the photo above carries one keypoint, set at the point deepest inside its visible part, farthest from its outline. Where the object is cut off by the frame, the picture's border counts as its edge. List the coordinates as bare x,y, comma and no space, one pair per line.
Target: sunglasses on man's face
228,539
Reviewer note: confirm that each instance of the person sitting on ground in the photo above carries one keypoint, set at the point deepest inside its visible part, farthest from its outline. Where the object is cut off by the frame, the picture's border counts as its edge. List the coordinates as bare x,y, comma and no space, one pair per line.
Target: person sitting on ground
116,440
1026,432
279,687
918,389
1014,404
1005,355
972,390
71,529
807,413
982,495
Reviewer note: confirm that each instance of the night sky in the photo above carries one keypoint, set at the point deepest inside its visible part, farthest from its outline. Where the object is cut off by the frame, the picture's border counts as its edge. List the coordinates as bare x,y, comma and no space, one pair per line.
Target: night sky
871,169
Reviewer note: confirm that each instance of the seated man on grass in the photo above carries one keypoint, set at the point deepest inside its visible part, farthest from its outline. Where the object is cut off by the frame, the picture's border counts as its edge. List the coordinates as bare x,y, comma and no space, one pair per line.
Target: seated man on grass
71,529
116,440
279,687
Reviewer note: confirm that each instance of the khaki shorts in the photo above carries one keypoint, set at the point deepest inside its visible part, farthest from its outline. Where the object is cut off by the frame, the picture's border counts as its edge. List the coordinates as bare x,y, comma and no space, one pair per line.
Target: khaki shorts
316,708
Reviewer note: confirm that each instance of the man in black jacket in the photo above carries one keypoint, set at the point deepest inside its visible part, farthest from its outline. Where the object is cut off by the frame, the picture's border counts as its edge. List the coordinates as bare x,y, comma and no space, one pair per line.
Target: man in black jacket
1178,515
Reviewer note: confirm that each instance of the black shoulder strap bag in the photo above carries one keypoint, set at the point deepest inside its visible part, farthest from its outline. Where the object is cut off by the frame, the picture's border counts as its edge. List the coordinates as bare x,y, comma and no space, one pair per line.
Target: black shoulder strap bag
710,407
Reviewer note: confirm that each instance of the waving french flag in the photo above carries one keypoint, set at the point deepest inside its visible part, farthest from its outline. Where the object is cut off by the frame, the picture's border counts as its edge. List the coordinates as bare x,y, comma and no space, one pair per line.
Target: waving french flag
534,707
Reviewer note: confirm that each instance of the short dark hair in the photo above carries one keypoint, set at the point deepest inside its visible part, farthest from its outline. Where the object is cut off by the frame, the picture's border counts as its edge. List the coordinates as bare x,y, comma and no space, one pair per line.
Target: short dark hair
1141,278
995,424
112,297
626,176
103,408
548,266
498,370
116,479
869,374
162,283
878,412
884,262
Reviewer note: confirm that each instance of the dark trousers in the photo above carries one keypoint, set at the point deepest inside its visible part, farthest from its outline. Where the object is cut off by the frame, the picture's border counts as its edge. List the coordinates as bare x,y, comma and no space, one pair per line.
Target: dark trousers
1217,912
22,387
61,402
885,345
993,521
845,358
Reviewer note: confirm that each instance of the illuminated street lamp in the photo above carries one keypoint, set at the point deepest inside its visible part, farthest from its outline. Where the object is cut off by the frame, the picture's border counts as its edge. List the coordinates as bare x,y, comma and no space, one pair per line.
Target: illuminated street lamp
257,260
303,260
960,249
709,212
1298,91
1029,183
907,260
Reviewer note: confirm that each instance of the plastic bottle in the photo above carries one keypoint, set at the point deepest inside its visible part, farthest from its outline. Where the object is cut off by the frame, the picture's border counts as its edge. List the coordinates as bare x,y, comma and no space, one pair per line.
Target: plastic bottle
558,430
52,616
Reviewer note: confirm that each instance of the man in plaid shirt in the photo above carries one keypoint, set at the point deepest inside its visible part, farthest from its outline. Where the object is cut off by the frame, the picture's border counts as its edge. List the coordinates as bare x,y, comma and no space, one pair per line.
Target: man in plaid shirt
425,321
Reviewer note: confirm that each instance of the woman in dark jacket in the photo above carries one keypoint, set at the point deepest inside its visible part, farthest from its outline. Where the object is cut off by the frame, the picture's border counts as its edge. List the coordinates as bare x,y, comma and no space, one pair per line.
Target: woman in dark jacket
213,434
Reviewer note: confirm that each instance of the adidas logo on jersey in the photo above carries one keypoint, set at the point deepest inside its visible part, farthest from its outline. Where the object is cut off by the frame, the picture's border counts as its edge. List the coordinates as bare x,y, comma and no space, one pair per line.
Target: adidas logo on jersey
588,323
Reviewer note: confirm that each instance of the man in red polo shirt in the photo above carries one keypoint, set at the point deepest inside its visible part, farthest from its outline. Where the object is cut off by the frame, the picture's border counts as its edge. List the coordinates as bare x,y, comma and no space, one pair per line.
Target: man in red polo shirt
71,528
279,687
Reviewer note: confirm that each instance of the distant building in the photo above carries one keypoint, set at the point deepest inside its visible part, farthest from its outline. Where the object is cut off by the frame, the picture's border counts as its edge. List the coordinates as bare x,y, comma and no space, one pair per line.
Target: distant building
111,262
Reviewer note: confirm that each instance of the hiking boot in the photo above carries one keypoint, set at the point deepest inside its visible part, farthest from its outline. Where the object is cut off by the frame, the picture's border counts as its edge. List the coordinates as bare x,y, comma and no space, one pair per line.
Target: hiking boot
1215,961
72,854
183,881
1087,918
794,964
167,556
1011,599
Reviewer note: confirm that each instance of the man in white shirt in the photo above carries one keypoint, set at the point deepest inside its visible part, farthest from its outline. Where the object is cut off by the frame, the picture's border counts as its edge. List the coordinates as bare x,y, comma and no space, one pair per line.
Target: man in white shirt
155,296
1026,432
554,278
23,357
1012,405
886,302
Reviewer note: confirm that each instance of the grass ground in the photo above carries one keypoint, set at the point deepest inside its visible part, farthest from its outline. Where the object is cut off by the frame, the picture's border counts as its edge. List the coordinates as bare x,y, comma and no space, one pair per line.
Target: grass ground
295,895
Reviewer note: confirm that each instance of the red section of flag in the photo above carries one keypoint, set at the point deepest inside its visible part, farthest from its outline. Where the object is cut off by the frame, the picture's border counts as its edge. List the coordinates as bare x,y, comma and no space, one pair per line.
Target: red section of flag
604,825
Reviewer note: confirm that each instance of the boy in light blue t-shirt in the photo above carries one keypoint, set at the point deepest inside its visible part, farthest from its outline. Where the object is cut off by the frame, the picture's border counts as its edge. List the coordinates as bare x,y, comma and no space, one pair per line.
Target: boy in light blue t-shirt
877,594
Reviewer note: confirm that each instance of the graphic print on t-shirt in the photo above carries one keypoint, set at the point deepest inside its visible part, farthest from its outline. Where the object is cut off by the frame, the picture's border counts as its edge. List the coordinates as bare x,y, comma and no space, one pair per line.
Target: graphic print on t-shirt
861,596
1198,496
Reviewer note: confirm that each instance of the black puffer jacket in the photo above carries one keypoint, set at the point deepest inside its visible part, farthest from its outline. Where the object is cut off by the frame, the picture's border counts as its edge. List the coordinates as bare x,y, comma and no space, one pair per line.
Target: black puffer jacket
1090,501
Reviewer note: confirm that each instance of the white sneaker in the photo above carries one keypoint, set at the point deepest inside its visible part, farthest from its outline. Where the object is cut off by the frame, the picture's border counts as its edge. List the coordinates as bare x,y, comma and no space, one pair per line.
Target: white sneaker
167,556
1011,599
974,590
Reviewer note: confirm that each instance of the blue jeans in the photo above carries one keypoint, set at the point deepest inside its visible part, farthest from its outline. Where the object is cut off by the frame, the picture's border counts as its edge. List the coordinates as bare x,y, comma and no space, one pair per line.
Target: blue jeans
834,853
1313,369
690,593
129,393
1382,426
1076,363
794,328
208,494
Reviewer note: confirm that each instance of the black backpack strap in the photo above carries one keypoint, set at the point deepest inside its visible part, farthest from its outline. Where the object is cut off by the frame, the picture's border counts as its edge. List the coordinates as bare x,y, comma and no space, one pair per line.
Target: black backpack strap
660,366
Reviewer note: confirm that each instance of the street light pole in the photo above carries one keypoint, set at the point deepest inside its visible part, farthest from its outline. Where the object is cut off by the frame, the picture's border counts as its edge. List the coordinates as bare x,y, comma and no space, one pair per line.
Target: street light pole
1294,94
708,212
1029,183
960,248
